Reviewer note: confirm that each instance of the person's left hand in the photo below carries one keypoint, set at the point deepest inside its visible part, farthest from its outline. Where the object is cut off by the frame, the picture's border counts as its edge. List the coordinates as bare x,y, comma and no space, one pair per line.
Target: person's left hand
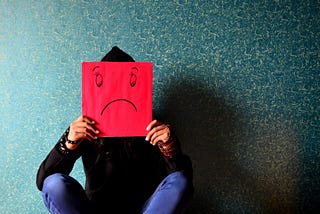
158,132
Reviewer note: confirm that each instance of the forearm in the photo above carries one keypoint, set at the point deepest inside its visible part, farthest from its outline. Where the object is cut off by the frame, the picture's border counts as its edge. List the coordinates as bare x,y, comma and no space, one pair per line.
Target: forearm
179,162
174,158
59,160
170,148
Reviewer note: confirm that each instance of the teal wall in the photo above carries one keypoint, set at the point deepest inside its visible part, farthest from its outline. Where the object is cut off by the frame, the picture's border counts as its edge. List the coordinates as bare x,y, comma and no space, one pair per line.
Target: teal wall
240,81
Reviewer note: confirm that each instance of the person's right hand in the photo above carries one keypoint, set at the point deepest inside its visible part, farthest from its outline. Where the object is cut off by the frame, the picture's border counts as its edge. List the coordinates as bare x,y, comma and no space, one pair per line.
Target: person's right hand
81,129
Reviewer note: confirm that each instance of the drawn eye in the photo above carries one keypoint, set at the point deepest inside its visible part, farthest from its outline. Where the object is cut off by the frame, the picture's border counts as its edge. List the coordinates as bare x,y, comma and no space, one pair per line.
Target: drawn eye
133,79
133,76
99,80
99,77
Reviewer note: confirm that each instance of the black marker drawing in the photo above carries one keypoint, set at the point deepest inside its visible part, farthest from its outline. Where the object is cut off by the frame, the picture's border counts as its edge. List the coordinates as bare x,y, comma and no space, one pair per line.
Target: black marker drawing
133,76
99,78
117,100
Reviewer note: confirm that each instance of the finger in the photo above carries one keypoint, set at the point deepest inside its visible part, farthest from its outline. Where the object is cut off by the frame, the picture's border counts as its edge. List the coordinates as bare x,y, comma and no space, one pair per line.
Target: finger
86,130
88,120
86,125
161,135
162,130
89,136
81,136
153,124
90,128
81,130
84,119
156,140
156,132
150,134
79,119
151,128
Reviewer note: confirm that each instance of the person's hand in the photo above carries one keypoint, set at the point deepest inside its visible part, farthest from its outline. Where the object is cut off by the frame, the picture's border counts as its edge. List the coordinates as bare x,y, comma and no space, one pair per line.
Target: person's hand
81,129
158,132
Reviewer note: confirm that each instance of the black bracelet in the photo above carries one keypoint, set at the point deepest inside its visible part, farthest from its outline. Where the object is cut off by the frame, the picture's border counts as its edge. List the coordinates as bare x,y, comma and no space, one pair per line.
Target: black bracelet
71,142
62,143
63,149
65,135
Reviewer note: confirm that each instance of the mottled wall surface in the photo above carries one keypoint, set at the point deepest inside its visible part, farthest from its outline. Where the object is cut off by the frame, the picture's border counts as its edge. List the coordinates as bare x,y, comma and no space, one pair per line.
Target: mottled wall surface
240,81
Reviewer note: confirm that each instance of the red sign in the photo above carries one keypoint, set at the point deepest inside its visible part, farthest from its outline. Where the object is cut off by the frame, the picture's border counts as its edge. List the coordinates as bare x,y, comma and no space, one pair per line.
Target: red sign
118,97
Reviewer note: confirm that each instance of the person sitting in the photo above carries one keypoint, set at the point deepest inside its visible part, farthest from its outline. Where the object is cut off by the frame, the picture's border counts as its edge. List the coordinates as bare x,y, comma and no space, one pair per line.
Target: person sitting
123,174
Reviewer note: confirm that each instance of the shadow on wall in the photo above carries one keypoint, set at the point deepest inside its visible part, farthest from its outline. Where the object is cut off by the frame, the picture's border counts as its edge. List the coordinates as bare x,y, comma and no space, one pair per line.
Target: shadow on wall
210,133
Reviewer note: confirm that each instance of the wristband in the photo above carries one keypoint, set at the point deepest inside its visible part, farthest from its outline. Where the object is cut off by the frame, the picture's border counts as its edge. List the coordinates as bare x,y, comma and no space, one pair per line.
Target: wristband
63,149
62,143
66,134
169,149
71,142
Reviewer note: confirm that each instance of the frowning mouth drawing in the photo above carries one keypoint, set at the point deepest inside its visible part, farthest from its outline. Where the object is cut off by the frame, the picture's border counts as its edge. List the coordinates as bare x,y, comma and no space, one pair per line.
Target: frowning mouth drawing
119,100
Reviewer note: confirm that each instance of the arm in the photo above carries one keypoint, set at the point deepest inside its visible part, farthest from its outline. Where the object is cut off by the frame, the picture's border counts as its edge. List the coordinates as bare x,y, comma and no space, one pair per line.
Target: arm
160,134
68,149
59,160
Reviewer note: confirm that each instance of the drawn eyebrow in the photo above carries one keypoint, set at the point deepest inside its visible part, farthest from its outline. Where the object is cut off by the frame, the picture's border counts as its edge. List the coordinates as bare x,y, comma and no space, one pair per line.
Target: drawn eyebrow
95,67
135,68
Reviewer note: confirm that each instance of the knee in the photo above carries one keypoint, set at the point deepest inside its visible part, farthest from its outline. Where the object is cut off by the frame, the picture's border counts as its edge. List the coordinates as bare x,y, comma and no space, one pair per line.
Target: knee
179,182
55,184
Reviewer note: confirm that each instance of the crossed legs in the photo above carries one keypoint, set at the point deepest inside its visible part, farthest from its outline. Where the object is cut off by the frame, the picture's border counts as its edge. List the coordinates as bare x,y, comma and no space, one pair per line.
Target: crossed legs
63,194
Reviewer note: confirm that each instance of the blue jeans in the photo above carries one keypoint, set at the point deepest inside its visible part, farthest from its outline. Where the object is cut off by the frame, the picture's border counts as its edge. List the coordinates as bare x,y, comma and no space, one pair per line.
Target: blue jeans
63,194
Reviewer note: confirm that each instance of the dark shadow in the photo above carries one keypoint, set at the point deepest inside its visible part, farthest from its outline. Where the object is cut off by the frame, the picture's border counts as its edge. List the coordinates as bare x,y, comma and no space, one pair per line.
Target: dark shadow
209,130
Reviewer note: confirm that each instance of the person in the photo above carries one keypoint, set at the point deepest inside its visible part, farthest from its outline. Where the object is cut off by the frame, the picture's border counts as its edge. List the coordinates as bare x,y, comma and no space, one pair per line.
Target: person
123,174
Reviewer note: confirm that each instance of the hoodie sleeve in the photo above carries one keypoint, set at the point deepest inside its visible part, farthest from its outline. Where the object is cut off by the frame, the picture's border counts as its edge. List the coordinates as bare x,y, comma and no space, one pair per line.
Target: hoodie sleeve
59,160
178,161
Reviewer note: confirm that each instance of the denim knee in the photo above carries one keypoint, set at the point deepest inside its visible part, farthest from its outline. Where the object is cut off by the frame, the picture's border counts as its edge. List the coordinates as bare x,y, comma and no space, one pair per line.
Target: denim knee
54,184
178,181
173,195
64,194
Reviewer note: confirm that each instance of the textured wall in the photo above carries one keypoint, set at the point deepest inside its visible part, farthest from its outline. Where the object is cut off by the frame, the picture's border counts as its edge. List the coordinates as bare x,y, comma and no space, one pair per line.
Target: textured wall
240,81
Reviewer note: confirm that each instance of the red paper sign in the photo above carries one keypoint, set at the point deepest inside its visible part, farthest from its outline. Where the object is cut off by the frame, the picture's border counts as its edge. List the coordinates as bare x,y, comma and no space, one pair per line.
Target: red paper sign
118,96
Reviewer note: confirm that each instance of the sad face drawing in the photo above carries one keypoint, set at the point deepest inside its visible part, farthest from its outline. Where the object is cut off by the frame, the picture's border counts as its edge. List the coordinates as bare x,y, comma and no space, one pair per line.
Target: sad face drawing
118,96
